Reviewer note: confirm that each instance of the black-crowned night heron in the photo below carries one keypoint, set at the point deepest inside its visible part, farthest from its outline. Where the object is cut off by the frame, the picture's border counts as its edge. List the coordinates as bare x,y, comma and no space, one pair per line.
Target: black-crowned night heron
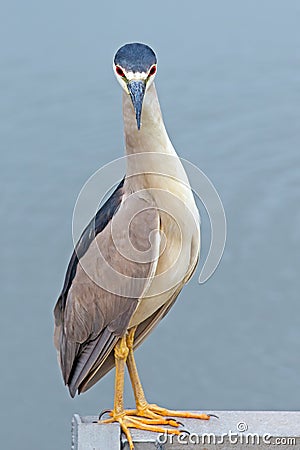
134,257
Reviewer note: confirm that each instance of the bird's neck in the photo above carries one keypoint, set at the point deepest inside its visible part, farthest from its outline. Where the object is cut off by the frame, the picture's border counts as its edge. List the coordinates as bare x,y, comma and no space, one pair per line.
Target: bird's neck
148,149
152,136
152,161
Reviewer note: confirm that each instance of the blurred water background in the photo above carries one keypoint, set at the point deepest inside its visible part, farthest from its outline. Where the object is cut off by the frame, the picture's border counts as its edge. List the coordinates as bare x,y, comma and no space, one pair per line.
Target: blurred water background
229,86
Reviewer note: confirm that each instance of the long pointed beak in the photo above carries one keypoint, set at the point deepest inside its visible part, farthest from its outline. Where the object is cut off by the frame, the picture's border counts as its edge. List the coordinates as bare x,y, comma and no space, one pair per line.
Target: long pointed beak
137,91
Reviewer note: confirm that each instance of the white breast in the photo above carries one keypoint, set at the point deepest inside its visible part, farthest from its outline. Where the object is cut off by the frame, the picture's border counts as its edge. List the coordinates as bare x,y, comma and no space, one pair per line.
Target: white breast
179,250
154,165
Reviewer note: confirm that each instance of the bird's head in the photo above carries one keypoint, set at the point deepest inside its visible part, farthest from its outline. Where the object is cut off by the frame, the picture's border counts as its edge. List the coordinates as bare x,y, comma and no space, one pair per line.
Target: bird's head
135,67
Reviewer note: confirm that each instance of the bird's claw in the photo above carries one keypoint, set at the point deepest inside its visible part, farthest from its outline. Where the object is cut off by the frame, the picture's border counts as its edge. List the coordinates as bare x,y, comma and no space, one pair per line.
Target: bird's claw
105,411
177,421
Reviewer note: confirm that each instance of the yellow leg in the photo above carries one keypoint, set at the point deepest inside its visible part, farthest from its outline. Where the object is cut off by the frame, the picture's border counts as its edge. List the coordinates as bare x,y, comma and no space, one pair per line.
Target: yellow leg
140,399
121,352
118,414
143,408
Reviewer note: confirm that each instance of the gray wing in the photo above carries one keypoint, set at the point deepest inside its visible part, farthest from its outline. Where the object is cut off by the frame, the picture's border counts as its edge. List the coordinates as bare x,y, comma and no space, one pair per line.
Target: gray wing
141,333
107,282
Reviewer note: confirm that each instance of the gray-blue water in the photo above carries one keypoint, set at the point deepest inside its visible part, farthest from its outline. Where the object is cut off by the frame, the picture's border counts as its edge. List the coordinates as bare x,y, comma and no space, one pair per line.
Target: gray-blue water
229,86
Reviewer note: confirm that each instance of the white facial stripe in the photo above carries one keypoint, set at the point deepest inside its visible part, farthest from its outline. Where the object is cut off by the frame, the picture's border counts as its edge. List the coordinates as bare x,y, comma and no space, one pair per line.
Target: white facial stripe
133,76
136,75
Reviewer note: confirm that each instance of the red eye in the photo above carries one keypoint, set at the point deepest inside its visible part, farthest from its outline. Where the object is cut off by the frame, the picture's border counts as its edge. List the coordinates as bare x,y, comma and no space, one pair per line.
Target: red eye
120,71
152,70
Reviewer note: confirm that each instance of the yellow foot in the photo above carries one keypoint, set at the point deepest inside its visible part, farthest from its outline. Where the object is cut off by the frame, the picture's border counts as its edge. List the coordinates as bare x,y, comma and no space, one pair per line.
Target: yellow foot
155,412
131,420
171,413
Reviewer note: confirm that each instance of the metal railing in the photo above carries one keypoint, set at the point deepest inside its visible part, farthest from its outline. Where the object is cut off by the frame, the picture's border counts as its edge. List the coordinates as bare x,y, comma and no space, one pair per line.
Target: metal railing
232,430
